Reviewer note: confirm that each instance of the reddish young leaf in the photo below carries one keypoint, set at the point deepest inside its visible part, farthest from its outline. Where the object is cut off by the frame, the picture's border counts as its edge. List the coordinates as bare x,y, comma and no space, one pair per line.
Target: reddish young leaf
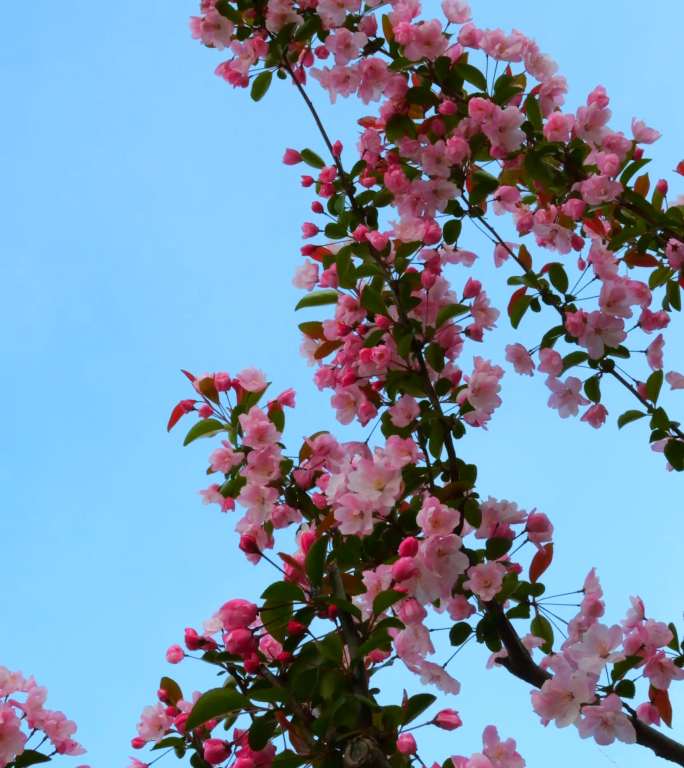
661,700
642,185
514,298
540,562
680,168
189,375
176,415
635,259
595,226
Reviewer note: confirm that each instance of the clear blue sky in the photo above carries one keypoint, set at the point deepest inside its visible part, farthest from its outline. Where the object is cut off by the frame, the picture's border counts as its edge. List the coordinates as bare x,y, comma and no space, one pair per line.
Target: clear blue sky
146,224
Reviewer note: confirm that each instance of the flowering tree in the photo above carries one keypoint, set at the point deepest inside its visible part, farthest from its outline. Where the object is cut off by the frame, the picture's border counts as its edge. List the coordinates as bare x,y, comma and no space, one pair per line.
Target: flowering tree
44,725
387,538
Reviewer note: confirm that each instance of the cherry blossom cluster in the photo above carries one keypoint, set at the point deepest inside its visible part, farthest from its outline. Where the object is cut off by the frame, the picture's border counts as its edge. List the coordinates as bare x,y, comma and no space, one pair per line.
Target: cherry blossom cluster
564,178
22,709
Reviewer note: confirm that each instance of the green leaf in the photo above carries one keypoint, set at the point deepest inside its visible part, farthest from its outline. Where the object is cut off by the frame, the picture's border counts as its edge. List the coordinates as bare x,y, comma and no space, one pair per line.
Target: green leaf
631,169
653,385
260,85
551,336
625,689
434,355
417,705
674,643
398,126
275,616
519,309
452,231
169,741
497,547
541,627
446,313
315,561
331,647
533,112
621,668
659,420
312,159
385,600
574,358
423,97
628,417
172,688
260,731
29,757
284,590
674,453
308,28
592,389
227,10
472,75
270,695
335,231
558,278
318,299
288,759
203,428
214,704
373,301
459,633
483,186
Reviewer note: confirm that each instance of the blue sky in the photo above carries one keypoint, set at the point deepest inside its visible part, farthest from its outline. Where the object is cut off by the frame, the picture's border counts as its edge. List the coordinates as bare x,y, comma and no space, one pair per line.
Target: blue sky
147,225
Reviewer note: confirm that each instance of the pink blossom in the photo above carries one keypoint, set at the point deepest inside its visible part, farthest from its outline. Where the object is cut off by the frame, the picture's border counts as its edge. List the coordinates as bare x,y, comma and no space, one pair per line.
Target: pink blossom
675,253
224,459
602,331
520,357
355,515
540,65
292,157
437,519
213,30
216,751
642,133
306,276
501,754
505,199
459,608
591,124
561,698
251,379
606,722
597,648
599,189
661,670
558,127
654,353
443,556
502,47
566,397
675,380
12,739
433,674
427,41
596,415
412,612
154,722
405,411
345,45
539,529
550,362
470,36
457,11
485,580
648,713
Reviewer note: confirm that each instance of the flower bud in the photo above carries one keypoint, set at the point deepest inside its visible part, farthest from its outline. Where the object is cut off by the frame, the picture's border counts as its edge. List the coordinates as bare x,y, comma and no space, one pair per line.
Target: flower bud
409,547
239,641
406,744
163,695
295,628
237,613
252,664
138,742
317,207
404,569
285,658
292,157
309,230
448,720
307,181
472,288
662,187
248,544
337,149
216,751
306,540
175,654
223,382
180,721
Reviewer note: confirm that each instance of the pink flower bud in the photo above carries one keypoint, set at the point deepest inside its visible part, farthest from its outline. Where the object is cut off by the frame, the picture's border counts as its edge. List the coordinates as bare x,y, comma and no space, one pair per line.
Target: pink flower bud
428,279
411,611
248,544
295,628
581,265
648,713
205,411
472,288
223,382
237,613
187,405
252,664
576,242
216,751
377,656
180,721
317,207
322,52
292,157
171,711
309,230
662,187
404,569
406,744
638,153
138,742
448,720
306,540
382,322
308,250
337,149
239,641
193,642
163,695
308,181
175,654
409,547
285,658
437,127
447,108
